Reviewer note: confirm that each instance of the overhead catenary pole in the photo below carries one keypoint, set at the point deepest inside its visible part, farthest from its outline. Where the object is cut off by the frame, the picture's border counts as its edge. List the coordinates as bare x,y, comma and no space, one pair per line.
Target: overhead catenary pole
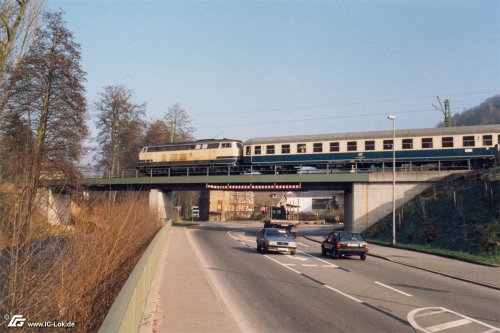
445,110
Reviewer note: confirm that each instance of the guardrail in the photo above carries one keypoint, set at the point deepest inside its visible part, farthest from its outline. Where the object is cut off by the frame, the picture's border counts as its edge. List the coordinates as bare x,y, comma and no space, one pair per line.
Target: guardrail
127,310
237,171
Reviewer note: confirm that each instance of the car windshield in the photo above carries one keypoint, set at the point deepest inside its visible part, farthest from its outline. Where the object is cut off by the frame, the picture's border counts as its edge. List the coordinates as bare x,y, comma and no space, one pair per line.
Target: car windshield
348,236
277,233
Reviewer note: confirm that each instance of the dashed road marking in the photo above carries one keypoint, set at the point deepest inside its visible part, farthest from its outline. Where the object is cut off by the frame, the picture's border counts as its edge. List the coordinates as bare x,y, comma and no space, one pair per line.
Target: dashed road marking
393,289
343,294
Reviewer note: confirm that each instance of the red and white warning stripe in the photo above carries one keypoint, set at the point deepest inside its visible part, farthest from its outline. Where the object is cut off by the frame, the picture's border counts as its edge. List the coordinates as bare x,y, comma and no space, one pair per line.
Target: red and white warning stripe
254,187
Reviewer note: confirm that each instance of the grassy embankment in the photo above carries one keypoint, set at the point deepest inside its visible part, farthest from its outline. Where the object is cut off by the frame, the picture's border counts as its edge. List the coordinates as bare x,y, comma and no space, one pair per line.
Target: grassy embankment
457,217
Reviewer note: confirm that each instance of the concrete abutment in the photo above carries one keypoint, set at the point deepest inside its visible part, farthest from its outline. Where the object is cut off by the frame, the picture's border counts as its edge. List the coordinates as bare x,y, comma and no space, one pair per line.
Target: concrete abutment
366,203
161,203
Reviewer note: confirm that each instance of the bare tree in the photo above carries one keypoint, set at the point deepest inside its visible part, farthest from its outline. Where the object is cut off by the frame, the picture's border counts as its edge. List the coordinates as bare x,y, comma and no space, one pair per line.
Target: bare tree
49,97
157,133
47,106
116,114
131,143
18,19
179,124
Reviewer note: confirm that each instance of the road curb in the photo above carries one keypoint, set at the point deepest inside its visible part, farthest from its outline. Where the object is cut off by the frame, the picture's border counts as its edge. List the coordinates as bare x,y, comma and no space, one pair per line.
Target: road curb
484,284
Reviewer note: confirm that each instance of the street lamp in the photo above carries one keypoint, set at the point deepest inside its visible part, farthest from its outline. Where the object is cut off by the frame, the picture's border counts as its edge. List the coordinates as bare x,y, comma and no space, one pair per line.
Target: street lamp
393,119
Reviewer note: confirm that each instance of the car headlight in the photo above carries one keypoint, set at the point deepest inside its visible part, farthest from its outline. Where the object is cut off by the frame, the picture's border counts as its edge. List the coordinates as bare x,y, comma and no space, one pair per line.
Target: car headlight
271,243
292,244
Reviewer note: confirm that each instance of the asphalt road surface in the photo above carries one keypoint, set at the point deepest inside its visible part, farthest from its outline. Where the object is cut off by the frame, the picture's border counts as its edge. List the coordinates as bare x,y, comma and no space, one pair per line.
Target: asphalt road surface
310,293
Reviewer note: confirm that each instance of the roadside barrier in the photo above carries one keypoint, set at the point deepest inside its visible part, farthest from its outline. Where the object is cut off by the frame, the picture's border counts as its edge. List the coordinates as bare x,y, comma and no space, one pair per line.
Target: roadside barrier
126,312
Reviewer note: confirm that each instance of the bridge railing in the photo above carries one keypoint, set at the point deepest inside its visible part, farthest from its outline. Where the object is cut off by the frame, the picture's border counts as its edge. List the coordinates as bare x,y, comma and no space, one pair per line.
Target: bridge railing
127,310
272,169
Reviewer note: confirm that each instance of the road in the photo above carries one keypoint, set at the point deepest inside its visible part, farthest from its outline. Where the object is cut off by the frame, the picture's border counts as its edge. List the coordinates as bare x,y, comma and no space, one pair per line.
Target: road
311,293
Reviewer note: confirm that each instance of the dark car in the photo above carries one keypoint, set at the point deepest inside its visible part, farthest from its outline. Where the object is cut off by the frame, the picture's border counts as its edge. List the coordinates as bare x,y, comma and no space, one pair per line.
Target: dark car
340,243
276,240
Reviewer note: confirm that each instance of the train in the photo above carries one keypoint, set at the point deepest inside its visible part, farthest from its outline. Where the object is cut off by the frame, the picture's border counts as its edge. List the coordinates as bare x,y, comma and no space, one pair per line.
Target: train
428,148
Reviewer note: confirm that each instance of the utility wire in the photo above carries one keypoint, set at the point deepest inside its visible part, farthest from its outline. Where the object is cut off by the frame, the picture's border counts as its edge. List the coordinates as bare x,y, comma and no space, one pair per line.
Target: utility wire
297,108
281,121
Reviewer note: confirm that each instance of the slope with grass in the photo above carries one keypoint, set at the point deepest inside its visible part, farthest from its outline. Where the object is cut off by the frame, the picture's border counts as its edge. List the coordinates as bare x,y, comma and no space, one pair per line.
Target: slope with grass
458,216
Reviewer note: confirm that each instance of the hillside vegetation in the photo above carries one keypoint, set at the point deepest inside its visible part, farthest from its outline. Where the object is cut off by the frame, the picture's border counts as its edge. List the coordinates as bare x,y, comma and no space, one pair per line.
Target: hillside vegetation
486,113
460,213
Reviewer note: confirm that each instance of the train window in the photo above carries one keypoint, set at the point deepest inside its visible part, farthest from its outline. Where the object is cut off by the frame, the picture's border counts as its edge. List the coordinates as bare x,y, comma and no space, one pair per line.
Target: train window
407,143
204,146
256,150
317,147
352,145
487,140
301,148
285,149
388,144
248,150
370,145
447,142
426,142
197,147
270,149
469,141
213,145
225,145
334,146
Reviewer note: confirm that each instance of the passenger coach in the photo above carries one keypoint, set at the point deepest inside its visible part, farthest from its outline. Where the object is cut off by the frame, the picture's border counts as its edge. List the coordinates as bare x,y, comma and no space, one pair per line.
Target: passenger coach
450,146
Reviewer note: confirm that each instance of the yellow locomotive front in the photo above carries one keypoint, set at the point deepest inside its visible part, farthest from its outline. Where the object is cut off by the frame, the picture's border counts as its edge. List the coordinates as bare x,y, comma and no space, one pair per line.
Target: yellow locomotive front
161,159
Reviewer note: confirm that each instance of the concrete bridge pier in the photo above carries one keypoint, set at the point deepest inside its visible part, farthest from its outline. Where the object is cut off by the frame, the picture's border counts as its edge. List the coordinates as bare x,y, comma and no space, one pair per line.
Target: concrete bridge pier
161,203
57,206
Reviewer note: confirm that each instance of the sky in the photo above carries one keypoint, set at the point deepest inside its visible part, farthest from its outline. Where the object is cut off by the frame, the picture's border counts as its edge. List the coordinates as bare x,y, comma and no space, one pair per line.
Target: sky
245,69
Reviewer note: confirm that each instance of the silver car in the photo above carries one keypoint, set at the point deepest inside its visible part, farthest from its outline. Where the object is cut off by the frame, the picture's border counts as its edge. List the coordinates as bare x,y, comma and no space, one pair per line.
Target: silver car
275,240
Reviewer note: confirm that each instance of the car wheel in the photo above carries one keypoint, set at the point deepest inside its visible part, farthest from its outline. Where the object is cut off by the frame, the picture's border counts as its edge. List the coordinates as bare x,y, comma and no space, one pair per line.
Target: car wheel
335,254
259,249
363,256
264,250
292,253
323,251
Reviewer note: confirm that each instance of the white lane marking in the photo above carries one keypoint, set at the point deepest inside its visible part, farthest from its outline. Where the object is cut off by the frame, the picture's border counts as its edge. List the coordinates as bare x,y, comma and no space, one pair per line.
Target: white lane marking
309,265
295,257
491,330
429,313
437,310
302,244
319,259
289,264
276,261
343,294
393,289
451,324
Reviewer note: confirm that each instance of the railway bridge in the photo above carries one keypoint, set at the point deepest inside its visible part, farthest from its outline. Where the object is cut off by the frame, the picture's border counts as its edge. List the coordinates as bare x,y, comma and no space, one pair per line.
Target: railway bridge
367,195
